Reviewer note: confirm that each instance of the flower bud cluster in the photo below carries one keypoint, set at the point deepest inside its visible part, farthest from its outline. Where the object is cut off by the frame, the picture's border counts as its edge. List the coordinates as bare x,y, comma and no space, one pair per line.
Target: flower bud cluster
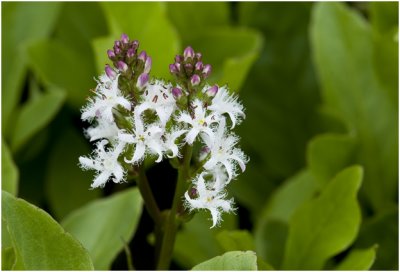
156,119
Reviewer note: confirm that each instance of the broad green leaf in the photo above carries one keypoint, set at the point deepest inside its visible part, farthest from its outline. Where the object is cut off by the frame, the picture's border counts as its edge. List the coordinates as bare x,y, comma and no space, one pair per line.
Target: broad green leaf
326,225
384,16
40,243
7,258
280,96
148,23
382,230
56,64
64,178
9,171
202,17
234,260
35,115
231,53
359,259
327,154
189,250
103,225
343,45
22,23
272,227
235,240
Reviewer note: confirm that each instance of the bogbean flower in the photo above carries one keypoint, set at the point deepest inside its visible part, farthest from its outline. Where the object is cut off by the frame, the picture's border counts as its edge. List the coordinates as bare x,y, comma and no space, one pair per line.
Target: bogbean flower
135,116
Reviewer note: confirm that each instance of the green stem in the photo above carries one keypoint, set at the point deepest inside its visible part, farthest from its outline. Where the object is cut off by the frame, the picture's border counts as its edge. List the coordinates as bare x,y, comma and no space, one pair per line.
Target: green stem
170,228
149,201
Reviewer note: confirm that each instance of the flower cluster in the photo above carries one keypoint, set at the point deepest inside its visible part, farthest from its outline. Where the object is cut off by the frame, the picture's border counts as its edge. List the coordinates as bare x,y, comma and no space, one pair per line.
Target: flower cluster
135,116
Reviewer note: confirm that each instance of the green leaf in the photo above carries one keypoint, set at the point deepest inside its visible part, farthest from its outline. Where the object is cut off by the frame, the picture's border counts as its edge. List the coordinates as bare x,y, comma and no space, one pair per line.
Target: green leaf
234,260
327,154
235,240
39,242
9,171
189,250
148,23
7,258
343,45
326,225
272,227
56,64
202,17
103,225
64,177
25,23
384,16
35,115
359,259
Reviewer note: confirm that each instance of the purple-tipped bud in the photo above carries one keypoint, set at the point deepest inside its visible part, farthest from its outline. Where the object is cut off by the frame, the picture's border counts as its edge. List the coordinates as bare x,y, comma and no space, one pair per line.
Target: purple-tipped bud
124,38
135,44
147,65
195,80
177,93
178,58
142,80
122,66
207,70
193,193
188,53
111,54
130,53
142,56
189,68
198,56
198,66
117,50
211,92
173,69
110,72
117,44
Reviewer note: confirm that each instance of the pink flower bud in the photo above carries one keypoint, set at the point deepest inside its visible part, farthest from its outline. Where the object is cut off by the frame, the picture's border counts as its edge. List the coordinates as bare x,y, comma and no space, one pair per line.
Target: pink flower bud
142,80
130,53
188,68
117,44
147,65
198,66
111,54
122,66
211,92
124,38
177,93
143,56
178,58
173,69
188,53
117,50
195,80
207,70
198,56
111,74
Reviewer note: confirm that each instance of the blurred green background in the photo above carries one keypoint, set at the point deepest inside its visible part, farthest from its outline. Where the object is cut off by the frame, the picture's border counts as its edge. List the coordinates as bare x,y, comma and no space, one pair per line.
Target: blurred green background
319,82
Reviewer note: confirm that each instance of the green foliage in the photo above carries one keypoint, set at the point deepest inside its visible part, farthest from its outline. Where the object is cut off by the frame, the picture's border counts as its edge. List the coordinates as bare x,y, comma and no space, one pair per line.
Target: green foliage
9,171
235,240
103,226
359,259
38,241
326,225
234,260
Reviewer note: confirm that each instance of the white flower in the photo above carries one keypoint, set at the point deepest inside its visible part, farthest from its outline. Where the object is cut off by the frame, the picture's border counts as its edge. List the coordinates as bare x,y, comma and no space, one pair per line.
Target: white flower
105,163
223,152
158,97
145,139
200,123
108,96
209,198
169,142
223,102
103,129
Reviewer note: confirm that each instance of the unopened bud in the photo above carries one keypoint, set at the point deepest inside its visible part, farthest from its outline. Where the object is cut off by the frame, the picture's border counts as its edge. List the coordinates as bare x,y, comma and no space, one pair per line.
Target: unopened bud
198,56
178,58
130,53
177,93
195,80
207,70
199,66
117,44
147,65
117,50
173,69
188,53
188,68
111,54
211,92
193,193
142,56
122,66
110,72
142,80
124,38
